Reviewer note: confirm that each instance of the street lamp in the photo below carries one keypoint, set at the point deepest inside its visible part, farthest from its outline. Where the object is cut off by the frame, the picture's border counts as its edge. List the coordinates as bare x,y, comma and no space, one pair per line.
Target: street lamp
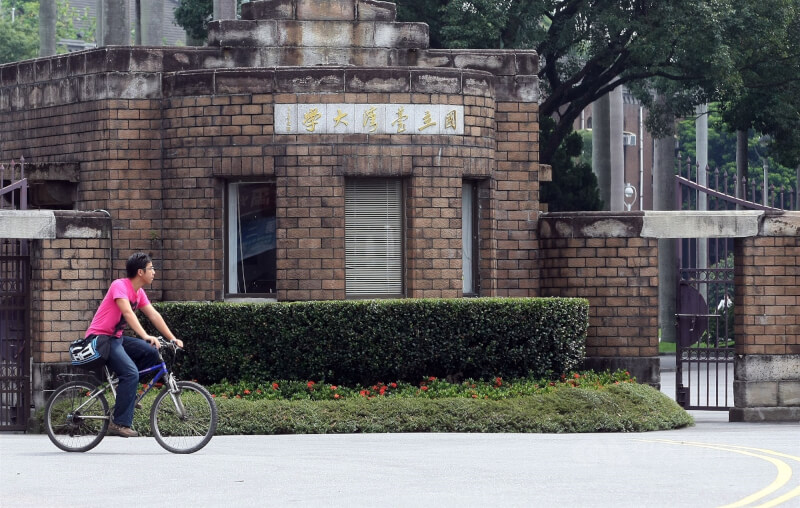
629,195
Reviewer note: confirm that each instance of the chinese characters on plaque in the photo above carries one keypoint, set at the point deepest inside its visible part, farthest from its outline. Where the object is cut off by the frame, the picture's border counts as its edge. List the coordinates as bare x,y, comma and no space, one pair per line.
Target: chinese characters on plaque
368,119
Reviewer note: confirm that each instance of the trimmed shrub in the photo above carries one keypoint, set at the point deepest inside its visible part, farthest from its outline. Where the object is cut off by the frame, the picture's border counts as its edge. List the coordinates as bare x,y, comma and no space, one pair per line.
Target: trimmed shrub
617,408
352,342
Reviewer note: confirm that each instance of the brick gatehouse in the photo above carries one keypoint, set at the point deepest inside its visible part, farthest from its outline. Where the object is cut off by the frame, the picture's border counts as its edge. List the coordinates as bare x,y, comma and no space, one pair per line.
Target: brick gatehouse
313,150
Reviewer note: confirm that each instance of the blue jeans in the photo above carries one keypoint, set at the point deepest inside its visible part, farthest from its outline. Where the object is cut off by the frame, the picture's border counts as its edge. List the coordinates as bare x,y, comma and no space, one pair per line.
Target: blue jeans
127,356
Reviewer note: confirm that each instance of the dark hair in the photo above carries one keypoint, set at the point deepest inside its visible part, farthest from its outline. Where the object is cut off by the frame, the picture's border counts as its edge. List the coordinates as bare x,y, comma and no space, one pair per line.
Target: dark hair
137,262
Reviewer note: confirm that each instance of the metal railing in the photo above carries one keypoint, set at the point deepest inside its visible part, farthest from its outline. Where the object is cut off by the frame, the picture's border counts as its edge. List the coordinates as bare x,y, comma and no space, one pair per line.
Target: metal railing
721,189
15,194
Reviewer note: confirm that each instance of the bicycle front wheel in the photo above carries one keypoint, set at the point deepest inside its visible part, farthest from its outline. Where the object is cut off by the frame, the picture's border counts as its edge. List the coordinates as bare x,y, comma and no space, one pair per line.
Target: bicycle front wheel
75,418
183,422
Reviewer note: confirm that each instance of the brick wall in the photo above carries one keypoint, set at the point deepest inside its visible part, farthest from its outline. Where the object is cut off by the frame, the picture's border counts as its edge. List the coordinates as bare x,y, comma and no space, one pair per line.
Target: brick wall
767,280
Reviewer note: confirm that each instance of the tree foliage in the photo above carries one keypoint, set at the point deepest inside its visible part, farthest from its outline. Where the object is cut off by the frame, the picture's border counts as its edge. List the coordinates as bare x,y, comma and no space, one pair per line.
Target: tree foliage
574,185
722,152
19,38
694,51
193,16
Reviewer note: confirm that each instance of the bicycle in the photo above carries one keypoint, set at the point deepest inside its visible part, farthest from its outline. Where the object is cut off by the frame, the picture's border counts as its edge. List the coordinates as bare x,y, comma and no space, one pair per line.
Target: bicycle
183,417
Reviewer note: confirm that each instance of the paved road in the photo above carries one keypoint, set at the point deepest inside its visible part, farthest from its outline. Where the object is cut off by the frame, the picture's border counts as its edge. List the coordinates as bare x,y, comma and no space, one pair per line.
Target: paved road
712,464
715,463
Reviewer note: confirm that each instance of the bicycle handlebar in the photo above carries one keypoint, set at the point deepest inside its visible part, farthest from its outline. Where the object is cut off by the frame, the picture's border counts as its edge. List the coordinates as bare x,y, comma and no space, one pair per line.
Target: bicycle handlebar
163,343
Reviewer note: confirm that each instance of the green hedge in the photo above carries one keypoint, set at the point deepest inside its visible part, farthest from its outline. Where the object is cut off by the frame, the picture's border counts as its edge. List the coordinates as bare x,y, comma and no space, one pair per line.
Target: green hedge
617,408
365,341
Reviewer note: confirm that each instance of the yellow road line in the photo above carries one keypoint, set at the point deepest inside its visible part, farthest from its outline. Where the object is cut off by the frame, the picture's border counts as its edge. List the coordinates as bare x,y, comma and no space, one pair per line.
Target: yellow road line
783,477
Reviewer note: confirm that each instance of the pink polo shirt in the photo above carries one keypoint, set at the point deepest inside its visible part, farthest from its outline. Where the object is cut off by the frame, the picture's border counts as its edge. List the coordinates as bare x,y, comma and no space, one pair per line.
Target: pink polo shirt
108,319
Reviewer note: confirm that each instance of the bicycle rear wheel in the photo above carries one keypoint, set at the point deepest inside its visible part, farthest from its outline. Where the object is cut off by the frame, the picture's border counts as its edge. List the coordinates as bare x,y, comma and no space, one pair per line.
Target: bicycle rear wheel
183,422
75,421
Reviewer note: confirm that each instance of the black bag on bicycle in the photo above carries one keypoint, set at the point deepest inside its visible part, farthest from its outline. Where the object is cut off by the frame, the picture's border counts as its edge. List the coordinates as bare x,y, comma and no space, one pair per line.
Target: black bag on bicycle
90,353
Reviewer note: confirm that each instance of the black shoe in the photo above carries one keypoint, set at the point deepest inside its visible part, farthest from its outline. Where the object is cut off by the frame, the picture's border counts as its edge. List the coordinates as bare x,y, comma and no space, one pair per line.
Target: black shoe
119,430
138,405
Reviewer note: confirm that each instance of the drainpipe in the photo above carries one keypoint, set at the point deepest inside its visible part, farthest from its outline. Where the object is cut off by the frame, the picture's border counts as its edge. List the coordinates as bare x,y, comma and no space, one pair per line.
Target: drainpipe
641,158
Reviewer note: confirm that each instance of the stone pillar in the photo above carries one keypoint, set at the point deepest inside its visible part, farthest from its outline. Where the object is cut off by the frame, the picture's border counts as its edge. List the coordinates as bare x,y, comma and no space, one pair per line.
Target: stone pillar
616,151
601,148
47,27
224,9
151,22
766,382
113,23
664,199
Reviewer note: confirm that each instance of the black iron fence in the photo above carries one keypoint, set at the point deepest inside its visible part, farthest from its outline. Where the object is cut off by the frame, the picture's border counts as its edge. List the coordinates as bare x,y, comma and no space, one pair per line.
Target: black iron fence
15,352
721,189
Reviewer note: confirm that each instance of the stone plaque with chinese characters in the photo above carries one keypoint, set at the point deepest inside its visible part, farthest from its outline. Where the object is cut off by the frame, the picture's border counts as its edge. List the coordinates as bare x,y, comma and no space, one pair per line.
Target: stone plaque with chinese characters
368,119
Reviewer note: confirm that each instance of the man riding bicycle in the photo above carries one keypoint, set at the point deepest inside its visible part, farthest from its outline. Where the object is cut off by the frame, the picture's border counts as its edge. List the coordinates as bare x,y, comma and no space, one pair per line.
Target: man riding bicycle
128,355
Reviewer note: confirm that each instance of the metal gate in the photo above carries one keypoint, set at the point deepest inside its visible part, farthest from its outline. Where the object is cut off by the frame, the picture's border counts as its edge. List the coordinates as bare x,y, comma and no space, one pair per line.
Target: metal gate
14,334
705,304
15,291
705,349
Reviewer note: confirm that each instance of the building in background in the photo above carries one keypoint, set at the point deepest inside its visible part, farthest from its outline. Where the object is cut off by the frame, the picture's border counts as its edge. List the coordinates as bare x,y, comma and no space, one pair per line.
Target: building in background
637,147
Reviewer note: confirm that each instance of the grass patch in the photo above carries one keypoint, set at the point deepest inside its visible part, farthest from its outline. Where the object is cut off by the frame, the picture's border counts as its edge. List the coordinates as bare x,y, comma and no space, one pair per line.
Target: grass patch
667,347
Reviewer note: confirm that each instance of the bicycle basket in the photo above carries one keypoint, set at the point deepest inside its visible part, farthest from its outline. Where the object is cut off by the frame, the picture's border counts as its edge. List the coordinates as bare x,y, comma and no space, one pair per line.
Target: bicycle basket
90,353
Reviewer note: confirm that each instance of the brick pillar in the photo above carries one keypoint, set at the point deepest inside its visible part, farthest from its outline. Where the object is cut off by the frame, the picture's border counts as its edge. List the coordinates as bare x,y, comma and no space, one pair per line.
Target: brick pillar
767,322
434,236
515,199
602,258
70,275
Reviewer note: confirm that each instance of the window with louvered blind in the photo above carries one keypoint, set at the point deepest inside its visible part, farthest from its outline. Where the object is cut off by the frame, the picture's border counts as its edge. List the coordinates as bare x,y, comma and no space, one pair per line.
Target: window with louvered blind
374,237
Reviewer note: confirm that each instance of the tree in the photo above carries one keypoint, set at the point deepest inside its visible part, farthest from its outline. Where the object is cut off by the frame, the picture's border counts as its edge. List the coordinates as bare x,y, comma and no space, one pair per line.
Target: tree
193,16
722,150
767,97
574,185
19,39
691,50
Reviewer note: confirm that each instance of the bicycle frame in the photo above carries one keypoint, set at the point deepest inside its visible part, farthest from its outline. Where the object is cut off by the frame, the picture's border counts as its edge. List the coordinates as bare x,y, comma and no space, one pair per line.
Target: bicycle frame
111,382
